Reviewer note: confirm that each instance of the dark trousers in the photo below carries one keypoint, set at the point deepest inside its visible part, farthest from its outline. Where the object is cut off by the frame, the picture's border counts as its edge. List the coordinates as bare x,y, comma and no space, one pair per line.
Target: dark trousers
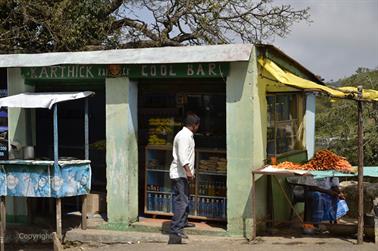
180,198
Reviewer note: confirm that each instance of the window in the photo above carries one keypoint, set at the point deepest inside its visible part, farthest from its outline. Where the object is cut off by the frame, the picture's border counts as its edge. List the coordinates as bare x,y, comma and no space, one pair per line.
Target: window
283,123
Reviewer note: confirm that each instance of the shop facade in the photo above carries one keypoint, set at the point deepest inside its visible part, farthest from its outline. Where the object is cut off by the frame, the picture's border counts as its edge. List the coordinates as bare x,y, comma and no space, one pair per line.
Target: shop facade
141,98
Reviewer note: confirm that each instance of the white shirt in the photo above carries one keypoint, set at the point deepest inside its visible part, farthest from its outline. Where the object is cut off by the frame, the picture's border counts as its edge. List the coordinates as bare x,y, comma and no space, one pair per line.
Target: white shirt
183,153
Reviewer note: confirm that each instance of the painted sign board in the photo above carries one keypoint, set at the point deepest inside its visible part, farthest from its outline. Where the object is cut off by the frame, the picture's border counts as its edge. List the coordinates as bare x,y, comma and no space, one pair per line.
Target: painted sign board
195,70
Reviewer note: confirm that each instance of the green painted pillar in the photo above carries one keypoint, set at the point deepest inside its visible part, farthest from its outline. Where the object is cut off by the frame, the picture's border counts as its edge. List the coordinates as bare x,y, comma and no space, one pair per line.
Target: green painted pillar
121,150
21,124
246,144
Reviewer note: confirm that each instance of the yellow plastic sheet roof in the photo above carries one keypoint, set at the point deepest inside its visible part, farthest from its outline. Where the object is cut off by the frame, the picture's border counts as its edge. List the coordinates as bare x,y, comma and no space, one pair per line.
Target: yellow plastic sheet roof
367,94
290,79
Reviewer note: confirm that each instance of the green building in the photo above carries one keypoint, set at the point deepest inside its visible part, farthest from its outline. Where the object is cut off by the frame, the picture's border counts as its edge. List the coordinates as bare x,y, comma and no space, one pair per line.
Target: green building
247,116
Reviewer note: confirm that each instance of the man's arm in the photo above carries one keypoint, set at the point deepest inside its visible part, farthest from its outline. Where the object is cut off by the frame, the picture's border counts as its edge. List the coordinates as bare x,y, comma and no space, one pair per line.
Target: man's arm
188,173
334,191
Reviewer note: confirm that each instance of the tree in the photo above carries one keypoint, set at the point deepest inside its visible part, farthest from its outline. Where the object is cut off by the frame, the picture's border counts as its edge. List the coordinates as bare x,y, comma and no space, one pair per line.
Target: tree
69,25
337,121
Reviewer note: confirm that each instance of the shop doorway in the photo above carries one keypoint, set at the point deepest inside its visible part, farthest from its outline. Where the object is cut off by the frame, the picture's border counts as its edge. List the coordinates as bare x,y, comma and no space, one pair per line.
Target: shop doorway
71,140
162,106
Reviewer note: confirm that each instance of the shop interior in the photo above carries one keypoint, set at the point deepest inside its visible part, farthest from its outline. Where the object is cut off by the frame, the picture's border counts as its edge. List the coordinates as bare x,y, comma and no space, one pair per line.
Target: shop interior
71,141
162,106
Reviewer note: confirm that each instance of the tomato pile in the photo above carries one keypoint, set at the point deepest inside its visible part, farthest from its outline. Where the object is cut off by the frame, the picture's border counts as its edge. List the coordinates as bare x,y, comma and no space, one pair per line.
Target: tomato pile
323,160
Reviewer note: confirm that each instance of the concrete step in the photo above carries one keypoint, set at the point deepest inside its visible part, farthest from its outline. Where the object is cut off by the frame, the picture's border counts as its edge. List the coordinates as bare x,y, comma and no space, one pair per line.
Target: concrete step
111,237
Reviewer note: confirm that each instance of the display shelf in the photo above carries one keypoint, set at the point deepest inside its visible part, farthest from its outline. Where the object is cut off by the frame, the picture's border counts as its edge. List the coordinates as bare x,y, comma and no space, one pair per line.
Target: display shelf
211,173
208,193
150,191
158,170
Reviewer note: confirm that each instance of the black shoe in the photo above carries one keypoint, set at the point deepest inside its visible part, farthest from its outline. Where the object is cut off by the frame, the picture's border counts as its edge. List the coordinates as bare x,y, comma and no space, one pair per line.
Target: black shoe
174,239
182,235
189,224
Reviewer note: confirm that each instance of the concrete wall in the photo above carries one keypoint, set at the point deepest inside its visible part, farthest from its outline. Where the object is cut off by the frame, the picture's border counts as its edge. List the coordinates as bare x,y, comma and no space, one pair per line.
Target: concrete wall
21,123
122,150
246,144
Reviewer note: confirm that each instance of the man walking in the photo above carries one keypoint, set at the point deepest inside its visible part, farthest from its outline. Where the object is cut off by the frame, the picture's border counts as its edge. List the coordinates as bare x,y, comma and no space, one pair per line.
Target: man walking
181,173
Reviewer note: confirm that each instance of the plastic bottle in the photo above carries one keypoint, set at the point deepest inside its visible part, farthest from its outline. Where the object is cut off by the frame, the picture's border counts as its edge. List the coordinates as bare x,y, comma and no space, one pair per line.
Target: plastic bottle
150,202
212,208
222,204
155,204
217,207
208,208
201,206
191,205
164,203
169,203
160,203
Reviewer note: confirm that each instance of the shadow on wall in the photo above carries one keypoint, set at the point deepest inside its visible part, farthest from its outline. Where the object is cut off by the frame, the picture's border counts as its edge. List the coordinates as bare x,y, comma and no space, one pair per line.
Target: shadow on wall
261,207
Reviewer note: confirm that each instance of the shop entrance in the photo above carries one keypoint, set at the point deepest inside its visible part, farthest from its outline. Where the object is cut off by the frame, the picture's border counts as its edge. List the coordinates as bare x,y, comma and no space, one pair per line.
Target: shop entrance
71,140
162,106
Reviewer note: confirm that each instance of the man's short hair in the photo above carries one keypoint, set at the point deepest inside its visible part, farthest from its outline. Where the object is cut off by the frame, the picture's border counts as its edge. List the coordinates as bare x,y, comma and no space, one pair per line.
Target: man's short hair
191,119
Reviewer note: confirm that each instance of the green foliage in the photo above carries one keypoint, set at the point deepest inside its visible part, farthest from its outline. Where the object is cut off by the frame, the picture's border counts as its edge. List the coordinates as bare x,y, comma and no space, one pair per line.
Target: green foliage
336,122
73,25
45,25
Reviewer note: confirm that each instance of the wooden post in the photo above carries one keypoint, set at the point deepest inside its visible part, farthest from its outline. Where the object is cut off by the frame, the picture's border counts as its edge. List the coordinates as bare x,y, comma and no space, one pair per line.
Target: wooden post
1,236
84,213
269,203
360,228
254,223
56,242
3,212
3,222
59,218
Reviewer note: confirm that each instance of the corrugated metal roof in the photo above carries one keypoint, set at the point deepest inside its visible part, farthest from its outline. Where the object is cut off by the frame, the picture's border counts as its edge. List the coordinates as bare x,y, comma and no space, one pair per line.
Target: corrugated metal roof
161,55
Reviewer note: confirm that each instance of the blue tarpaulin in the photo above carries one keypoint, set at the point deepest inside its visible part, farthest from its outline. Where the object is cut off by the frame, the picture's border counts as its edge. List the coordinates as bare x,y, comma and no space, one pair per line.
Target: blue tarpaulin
369,171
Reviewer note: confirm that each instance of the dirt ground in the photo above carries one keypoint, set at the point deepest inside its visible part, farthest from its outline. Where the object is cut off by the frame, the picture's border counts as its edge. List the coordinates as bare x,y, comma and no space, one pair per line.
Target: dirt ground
263,244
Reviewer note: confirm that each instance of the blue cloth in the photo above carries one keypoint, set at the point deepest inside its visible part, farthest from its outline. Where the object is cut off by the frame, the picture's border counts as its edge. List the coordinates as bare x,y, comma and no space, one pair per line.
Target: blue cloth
40,179
325,207
342,208
369,171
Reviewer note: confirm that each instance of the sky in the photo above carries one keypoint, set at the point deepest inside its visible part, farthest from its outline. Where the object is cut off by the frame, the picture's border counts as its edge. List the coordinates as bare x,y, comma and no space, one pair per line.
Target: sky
342,37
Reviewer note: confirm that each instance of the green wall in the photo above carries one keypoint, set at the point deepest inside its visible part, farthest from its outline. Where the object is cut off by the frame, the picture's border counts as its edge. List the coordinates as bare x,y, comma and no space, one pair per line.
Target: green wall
122,150
246,141
20,123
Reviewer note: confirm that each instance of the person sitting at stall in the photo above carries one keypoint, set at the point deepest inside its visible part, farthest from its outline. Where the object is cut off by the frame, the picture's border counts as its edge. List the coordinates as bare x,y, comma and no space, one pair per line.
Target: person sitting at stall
323,202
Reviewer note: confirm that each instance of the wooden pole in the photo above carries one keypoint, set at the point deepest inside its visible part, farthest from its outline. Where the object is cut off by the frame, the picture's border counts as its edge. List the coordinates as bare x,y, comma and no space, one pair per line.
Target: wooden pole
254,223
360,228
269,203
58,218
3,211
3,221
84,213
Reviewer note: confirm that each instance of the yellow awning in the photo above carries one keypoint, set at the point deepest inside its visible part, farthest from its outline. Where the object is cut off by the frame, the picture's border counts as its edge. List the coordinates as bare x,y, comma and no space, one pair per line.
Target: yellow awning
367,94
290,79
